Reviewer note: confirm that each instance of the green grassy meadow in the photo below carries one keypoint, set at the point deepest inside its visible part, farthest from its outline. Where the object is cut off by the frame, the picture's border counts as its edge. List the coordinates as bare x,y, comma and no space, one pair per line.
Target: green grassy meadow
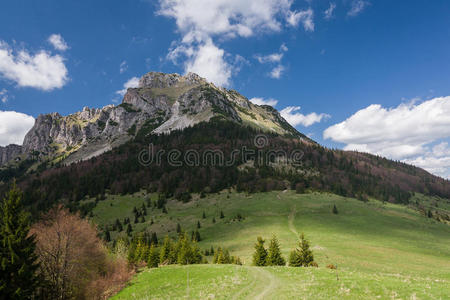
381,250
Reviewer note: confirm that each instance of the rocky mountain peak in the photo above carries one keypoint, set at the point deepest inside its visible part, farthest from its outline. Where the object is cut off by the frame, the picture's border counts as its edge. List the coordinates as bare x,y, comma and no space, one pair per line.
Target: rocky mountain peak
160,104
163,80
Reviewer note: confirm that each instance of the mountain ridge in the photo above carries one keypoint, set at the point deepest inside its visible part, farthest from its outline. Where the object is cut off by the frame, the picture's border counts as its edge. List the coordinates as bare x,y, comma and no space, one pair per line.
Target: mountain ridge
167,102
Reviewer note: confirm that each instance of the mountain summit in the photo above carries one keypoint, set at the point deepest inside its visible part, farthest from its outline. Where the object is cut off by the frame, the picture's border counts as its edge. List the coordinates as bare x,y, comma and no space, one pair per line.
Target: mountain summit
160,104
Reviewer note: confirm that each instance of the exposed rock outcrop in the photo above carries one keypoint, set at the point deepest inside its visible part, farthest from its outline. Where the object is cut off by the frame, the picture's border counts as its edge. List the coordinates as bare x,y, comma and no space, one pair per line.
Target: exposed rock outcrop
9,153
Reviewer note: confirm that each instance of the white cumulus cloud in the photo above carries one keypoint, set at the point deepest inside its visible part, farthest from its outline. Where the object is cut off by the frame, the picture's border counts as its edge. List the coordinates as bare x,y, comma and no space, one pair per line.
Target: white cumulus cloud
131,83
41,70
295,118
13,127
405,132
58,42
262,101
201,21
208,61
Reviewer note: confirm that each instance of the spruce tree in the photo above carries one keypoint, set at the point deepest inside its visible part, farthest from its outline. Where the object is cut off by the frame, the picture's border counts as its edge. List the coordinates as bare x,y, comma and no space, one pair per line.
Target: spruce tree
217,253
204,215
178,228
260,255
197,237
129,229
154,239
222,215
274,257
165,250
301,256
185,253
107,236
198,224
335,211
118,225
18,262
153,257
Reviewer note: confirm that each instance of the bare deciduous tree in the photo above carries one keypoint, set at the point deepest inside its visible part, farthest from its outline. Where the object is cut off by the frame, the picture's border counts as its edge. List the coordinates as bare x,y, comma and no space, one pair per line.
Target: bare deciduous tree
70,253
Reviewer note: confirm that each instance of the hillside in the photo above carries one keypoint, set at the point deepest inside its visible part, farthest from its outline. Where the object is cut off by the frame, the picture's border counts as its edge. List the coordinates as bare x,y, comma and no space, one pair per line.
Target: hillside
219,140
381,250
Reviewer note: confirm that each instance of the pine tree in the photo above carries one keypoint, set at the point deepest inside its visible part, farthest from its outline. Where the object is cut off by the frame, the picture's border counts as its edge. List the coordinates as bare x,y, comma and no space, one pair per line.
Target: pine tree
153,257
152,222
301,256
274,257
144,210
214,220
18,266
136,218
198,224
222,215
204,215
164,210
335,211
260,255
178,228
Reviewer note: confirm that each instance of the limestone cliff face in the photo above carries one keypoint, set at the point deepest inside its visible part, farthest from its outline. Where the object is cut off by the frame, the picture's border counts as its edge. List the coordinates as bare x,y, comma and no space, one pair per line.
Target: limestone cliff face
9,153
165,101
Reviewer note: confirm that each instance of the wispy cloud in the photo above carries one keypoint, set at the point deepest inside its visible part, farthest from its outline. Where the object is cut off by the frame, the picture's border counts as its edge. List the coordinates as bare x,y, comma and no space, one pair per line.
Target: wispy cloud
58,42
357,6
131,83
262,101
328,13
304,16
123,67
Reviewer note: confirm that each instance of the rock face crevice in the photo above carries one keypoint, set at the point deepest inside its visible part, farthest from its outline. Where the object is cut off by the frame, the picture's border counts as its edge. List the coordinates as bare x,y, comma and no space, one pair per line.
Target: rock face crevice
167,101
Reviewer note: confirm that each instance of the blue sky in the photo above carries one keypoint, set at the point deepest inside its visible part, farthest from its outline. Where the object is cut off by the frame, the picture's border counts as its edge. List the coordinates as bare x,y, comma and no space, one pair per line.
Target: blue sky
368,75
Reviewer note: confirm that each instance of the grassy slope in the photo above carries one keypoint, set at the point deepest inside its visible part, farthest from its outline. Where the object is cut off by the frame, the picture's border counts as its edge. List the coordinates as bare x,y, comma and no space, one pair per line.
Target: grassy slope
380,250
